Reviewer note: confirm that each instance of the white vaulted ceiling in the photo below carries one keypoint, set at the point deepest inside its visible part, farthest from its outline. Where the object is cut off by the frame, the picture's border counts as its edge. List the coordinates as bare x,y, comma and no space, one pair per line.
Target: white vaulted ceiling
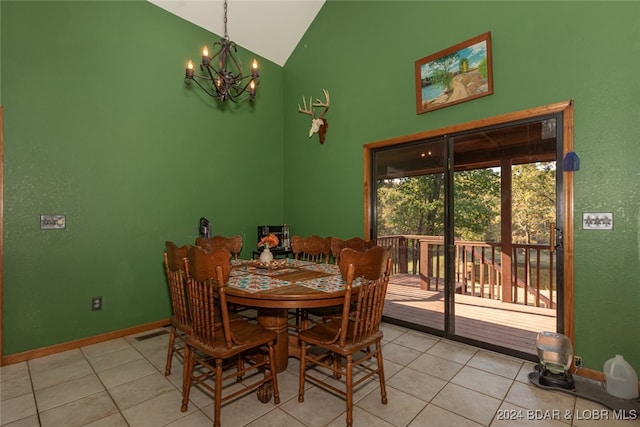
269,28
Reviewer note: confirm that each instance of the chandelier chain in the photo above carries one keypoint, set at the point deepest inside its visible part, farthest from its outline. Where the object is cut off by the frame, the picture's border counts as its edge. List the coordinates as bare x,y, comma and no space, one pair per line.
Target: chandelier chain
226,35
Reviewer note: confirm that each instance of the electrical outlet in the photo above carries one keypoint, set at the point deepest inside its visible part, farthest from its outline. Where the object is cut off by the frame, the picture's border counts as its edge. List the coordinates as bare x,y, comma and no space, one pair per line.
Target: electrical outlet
96,303
597,221
577,362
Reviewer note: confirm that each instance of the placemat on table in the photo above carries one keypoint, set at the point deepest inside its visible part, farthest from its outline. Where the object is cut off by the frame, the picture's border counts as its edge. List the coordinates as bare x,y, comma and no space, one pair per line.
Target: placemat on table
256,283
239,270
300,275
267,272
325,268
333,283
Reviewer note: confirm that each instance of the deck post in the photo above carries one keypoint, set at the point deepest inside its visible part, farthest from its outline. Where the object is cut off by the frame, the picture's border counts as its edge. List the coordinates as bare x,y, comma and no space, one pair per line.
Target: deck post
505,231
403,257
425,265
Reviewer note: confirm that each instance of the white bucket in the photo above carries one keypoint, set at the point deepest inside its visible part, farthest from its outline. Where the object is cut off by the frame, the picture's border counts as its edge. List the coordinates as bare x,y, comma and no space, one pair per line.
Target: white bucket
620,380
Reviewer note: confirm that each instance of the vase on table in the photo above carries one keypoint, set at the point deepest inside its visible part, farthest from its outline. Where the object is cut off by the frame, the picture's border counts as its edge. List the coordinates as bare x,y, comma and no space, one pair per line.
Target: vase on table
266,256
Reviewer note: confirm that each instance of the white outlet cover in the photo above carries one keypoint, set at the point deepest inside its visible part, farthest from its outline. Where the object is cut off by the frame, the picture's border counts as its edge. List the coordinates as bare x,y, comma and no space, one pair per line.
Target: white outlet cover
597,221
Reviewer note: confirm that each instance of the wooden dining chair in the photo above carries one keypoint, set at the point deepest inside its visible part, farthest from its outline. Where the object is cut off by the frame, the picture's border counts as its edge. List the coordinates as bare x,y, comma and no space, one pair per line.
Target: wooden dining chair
357,243
355,333
177,273
227,351
365,264
174,265
337,246
369,263
312,248
232,244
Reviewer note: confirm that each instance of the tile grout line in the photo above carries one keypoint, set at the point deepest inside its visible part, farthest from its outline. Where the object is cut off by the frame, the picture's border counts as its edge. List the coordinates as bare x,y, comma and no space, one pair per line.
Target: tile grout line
105,386
33,392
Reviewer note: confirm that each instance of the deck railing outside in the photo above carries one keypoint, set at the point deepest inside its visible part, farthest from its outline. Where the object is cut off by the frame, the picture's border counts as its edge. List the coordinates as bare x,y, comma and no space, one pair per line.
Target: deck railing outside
478,268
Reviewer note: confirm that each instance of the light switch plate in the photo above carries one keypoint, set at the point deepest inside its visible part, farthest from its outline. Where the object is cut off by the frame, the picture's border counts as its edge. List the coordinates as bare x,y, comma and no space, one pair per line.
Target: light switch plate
53,222
597,221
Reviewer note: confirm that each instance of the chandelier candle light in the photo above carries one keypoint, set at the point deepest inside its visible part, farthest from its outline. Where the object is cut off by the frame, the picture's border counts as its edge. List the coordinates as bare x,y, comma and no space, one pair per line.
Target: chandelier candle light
227,81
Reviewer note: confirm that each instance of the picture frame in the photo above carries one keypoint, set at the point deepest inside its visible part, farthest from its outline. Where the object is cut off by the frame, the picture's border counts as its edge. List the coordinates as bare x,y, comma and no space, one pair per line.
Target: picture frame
454,75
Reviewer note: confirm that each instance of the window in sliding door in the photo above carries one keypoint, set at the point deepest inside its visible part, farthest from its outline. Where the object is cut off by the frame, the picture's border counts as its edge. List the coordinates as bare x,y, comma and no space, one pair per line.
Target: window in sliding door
409,208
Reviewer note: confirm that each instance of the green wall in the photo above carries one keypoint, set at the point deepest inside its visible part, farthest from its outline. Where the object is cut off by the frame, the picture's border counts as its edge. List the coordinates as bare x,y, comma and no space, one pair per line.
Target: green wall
363,52
99,126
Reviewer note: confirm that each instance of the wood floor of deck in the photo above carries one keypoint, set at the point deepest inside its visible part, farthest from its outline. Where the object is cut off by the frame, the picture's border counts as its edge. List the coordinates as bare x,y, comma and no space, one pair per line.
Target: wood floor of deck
507,325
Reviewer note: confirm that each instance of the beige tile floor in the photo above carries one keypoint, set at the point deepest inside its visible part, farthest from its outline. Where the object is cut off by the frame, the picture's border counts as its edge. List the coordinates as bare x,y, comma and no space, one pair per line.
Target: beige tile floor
430,382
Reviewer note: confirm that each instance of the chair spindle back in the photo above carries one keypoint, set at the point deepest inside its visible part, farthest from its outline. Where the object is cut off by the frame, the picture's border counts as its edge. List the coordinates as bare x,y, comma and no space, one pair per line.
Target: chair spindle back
362,315
361,245
369,264
174,263
313,248
232,244
208,273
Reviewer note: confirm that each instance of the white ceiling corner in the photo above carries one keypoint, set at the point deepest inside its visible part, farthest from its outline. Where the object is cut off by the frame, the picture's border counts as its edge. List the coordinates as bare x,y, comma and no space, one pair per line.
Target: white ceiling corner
269,28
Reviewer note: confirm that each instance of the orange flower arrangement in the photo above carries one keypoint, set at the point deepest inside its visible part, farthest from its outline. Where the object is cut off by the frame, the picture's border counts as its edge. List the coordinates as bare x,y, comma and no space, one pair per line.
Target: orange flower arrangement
269,241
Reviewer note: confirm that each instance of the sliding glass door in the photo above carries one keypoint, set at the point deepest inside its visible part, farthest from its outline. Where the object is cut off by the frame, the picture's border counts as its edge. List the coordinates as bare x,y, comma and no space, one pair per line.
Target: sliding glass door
473,221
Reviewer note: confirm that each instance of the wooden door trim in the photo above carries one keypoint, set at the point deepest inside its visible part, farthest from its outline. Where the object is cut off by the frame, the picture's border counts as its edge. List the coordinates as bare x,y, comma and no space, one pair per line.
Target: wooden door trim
566,109
1,226
567,217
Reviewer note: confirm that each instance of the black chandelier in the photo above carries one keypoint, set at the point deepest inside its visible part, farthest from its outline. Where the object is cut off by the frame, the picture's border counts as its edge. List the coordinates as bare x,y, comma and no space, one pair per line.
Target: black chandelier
227,81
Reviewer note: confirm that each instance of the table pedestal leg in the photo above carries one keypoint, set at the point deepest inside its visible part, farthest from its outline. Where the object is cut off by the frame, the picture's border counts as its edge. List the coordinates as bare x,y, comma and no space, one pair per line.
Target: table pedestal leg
275,319
294,346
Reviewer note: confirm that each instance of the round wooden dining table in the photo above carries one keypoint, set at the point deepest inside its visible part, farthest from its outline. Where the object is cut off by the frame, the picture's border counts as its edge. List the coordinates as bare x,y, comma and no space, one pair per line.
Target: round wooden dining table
272,304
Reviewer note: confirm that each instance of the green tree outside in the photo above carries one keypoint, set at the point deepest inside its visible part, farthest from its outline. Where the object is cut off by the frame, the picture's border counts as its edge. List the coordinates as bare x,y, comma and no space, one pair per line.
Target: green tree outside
415,205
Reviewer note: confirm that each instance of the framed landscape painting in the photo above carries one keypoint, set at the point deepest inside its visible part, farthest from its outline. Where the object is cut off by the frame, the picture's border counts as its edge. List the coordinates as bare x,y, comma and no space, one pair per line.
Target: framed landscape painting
457,74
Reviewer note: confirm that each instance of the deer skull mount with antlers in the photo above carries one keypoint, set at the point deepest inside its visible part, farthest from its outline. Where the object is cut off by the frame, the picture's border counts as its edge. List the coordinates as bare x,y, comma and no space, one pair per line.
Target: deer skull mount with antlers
319,124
